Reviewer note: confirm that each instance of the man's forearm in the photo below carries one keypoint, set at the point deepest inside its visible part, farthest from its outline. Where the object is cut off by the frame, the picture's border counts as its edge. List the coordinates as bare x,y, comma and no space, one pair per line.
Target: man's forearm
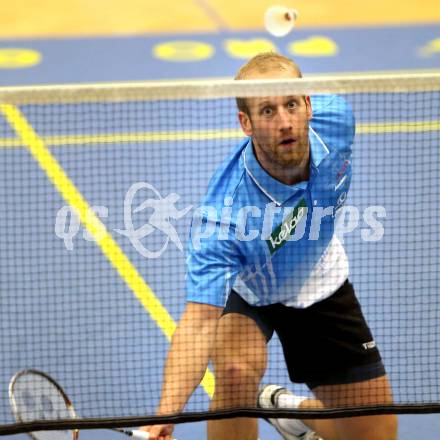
188,356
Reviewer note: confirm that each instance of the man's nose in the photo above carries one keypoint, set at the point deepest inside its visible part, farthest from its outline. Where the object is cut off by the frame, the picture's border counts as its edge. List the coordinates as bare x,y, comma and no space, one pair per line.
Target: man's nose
284,119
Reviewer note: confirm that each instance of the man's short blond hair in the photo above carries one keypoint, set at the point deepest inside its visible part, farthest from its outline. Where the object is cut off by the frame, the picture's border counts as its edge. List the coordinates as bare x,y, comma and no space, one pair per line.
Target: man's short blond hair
261,63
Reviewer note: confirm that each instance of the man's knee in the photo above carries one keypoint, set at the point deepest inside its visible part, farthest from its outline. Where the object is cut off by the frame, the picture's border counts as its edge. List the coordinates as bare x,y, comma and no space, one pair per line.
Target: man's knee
238,374
239,354
236,385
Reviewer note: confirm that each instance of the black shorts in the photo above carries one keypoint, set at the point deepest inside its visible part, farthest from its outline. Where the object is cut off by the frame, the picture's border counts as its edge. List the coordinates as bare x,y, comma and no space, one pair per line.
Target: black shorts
327,343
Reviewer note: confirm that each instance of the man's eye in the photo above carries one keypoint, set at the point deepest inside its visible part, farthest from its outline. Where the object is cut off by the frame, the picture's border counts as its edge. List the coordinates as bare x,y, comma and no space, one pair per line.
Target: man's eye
291,105
266,111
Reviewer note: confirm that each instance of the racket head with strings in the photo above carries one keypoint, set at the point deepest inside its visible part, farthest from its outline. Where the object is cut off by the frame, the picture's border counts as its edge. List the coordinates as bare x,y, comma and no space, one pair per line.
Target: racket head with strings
34,396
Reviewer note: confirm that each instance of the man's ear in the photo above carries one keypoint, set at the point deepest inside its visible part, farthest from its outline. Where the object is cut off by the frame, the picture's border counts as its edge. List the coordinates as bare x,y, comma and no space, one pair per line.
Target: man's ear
245,123
309,108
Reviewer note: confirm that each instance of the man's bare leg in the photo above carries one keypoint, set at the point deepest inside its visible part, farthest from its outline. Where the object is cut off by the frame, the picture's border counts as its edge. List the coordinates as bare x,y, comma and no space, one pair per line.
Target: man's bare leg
369,392
239,360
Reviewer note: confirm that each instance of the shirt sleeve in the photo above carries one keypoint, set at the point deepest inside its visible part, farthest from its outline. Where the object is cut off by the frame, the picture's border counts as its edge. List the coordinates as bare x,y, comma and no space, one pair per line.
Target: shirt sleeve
334,120
212,262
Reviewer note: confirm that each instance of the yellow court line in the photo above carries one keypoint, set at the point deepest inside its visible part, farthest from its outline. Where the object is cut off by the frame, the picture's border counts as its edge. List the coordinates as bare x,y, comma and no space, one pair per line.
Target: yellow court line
203,135
398,127
56,174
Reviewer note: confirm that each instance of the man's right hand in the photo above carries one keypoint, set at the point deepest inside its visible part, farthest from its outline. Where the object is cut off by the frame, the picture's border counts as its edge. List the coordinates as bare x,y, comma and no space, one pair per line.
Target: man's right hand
158,432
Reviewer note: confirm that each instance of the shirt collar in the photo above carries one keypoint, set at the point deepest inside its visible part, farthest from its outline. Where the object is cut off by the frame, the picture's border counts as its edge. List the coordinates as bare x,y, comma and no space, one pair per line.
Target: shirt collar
318,149
277,191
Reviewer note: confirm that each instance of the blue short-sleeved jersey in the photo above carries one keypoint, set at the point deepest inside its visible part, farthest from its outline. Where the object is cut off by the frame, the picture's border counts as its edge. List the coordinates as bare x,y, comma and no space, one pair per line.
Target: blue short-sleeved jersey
266,239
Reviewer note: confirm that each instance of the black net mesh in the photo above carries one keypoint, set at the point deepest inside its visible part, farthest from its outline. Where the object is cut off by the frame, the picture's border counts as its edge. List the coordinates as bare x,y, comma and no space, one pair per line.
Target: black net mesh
99,187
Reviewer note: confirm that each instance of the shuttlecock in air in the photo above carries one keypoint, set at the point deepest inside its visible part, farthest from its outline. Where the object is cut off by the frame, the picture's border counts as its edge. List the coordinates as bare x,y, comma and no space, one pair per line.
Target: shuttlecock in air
280,20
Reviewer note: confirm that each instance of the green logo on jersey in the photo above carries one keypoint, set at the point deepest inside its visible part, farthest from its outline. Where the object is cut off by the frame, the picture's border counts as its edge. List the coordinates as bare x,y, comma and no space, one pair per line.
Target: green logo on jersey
283,232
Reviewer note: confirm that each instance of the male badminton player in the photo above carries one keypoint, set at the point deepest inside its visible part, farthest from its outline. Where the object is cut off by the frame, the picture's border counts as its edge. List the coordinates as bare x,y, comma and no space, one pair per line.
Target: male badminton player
276,265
